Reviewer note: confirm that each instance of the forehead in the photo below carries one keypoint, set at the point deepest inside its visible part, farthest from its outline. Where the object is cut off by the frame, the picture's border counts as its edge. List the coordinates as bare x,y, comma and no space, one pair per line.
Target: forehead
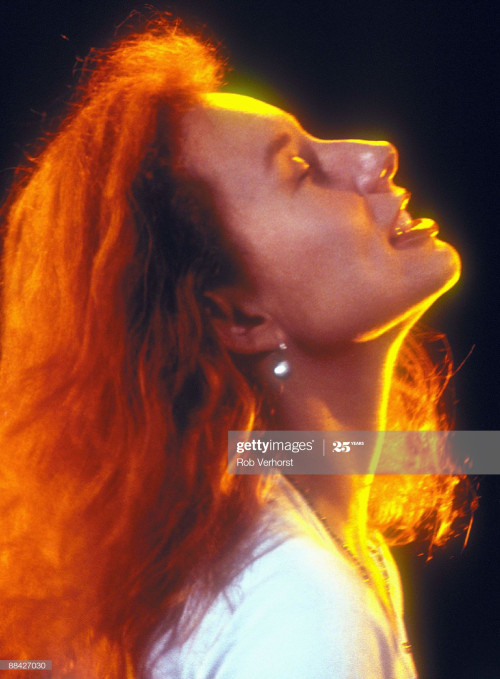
229,129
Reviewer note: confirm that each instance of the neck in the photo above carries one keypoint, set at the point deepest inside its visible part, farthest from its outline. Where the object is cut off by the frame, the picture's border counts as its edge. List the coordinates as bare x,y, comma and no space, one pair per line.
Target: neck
346,390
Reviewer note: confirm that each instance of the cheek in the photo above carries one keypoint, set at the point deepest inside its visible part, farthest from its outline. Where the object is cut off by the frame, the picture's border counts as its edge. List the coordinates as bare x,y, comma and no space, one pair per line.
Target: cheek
318,295
311,240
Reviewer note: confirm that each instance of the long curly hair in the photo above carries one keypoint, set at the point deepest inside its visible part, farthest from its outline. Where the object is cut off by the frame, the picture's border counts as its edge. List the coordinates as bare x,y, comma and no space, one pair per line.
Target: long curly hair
116,395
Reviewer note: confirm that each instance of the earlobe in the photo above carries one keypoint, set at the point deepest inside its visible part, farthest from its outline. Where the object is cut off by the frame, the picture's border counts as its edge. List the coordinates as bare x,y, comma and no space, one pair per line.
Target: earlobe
240,324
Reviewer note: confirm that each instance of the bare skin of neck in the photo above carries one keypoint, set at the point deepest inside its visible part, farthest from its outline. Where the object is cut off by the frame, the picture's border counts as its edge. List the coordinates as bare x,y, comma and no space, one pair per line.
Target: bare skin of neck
345,390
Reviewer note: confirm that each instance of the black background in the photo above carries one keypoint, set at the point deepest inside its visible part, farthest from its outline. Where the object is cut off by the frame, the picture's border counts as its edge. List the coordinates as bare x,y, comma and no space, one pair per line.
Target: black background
422,74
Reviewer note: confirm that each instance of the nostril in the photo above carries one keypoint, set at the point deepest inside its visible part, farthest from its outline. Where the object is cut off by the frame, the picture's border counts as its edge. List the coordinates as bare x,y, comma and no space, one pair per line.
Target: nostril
387,163
385,175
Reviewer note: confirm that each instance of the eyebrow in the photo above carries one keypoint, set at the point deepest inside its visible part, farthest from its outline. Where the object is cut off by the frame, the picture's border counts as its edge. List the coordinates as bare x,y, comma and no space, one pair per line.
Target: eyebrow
275,146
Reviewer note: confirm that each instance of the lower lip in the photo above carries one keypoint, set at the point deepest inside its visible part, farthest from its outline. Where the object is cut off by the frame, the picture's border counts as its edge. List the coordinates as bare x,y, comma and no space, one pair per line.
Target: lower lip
421,231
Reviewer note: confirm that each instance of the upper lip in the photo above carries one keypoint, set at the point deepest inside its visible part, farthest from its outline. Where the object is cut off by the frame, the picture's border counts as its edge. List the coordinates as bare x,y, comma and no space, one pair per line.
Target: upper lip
402,220
388,210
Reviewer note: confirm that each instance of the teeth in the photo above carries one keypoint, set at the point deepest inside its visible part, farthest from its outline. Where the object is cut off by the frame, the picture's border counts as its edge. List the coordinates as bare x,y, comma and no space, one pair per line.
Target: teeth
404,224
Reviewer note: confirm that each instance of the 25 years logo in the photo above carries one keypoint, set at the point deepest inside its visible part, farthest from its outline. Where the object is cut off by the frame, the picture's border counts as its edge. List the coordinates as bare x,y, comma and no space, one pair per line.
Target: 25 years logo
345,446
341,446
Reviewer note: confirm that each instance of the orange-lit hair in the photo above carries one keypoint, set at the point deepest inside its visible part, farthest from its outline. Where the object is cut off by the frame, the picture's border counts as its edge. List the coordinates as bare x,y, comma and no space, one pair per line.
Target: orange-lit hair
116,395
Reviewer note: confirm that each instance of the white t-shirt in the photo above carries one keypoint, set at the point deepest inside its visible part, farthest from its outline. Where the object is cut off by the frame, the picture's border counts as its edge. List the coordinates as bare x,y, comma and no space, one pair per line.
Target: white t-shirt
300,610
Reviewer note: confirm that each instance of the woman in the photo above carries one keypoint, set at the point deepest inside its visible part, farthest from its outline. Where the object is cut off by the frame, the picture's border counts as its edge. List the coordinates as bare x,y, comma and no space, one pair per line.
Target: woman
167,249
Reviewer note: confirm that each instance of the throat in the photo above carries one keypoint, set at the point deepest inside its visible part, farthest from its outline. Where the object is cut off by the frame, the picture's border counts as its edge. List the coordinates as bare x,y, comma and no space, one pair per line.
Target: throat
345,392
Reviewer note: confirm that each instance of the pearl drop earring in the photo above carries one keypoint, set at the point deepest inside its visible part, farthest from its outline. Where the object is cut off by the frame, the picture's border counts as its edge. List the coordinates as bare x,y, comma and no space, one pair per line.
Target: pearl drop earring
282,368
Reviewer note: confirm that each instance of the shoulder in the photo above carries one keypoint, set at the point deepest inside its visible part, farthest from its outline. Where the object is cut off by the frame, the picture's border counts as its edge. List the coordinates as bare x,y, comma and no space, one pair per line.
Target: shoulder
298,610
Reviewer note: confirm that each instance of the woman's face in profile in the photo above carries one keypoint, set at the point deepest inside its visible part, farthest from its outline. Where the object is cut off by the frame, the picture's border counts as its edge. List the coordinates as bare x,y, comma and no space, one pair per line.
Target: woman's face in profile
329,250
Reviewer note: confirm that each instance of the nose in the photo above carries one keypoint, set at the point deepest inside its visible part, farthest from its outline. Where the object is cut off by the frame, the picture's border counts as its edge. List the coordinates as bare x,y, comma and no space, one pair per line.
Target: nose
377,163
366,166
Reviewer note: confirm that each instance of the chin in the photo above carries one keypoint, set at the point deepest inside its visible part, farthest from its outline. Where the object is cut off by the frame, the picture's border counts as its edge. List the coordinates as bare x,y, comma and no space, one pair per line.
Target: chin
428,281
432,268
449,267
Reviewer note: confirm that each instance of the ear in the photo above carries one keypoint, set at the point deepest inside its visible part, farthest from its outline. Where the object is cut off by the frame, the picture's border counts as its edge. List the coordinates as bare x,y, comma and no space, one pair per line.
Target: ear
240,323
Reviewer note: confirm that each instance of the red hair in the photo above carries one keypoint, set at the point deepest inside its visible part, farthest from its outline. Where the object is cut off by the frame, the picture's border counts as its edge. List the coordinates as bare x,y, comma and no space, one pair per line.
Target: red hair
116,398
116,395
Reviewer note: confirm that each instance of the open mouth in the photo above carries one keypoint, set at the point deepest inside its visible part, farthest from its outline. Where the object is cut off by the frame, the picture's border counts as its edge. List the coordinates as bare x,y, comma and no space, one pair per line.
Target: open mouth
408,232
